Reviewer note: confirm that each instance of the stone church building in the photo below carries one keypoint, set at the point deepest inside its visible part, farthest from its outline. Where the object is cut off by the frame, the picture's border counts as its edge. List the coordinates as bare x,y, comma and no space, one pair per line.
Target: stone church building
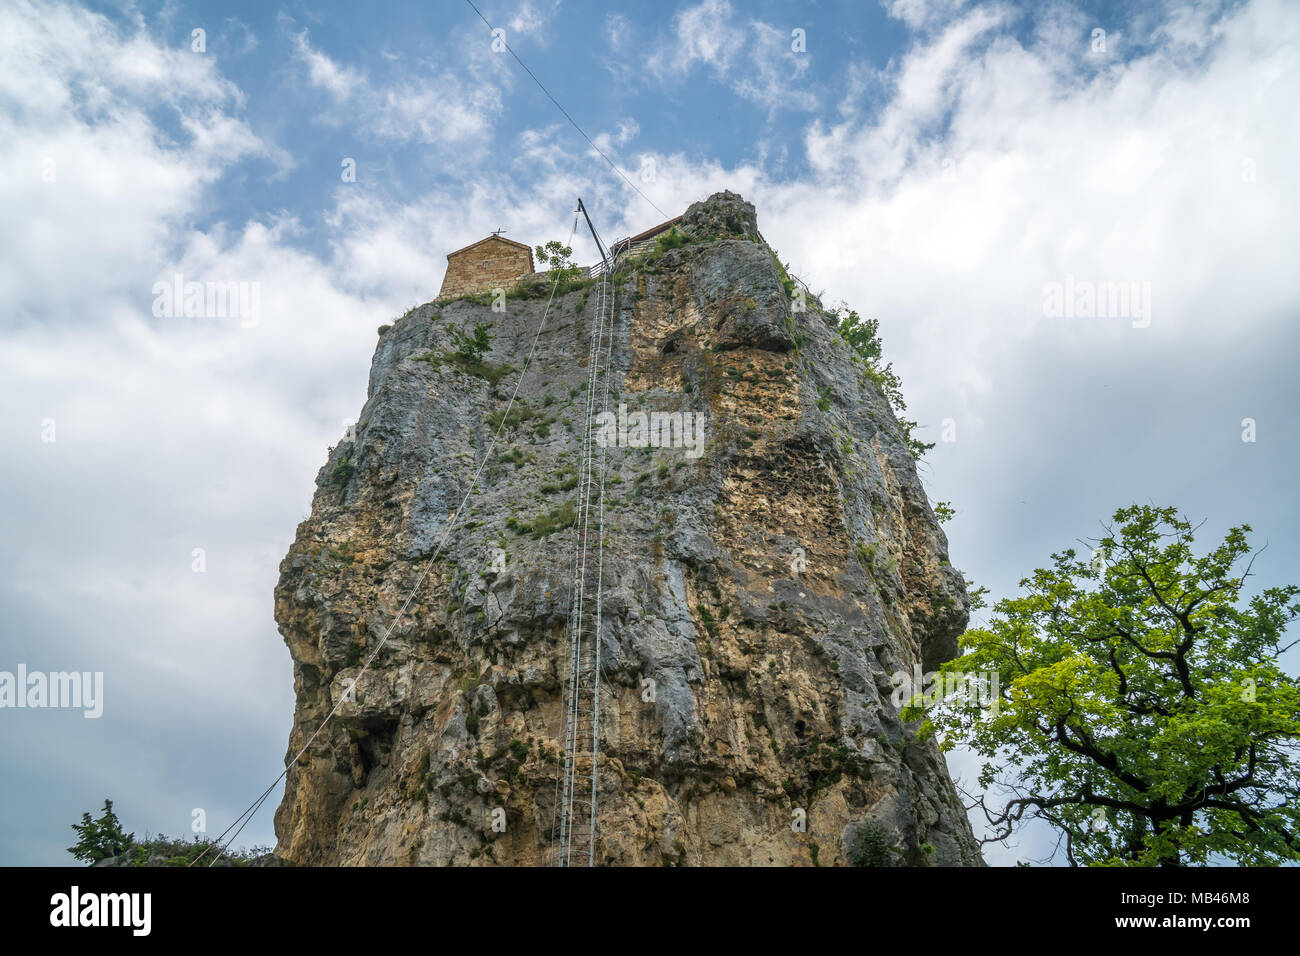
491,263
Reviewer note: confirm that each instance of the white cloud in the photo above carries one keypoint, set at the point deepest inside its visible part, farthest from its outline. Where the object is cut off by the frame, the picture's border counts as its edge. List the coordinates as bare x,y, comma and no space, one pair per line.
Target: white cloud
92,187
431,106
59,59
702,34
757,60
617,30
627,131
775,71
918,14
341,82
238,38
529,20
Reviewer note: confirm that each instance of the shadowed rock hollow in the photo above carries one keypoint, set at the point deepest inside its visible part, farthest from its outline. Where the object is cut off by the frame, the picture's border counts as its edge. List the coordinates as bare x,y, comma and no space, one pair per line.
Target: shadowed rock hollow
771,684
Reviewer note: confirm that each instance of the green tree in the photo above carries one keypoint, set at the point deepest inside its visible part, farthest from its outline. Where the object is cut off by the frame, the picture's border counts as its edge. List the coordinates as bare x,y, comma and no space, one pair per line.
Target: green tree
558,257
1141,709
102,838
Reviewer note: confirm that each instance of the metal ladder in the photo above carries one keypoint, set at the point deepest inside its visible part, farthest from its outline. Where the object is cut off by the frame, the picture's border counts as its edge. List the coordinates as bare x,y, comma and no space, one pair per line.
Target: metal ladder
574,839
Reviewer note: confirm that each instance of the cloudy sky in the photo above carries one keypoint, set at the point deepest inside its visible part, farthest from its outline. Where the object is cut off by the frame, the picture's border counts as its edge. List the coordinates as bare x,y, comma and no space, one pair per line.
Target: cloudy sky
933,163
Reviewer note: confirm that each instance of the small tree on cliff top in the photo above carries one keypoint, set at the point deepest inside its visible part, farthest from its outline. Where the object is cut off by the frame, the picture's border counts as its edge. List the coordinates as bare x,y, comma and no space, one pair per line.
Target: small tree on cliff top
102,838
558,257
1141,709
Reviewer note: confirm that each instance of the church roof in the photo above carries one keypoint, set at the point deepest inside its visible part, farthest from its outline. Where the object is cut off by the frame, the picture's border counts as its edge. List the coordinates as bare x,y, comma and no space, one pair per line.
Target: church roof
520,245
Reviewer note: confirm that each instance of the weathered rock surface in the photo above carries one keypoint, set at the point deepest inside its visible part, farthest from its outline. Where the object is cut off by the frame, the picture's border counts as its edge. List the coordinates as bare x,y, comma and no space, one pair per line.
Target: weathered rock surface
771,684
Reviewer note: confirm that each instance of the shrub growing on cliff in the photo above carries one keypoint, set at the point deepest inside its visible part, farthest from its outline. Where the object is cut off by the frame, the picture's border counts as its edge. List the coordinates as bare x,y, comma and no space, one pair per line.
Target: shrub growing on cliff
672,239
557,519
467,355
863,336
868,845
164,851
343,471
471,348
1140,707
104,839
569,481
516,416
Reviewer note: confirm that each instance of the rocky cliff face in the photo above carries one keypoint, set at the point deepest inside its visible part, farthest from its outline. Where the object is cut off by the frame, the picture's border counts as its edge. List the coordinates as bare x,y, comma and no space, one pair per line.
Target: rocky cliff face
757,597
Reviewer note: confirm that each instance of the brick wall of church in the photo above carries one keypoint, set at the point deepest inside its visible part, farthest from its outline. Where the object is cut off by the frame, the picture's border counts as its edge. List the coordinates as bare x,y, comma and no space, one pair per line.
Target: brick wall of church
491,265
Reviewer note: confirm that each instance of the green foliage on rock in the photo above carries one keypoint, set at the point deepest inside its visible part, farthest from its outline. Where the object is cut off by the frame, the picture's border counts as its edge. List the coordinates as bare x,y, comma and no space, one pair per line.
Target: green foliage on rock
568,481
672,239
868,845
103,839
343,471
557,519
517,414
471,348
467,355
863,336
